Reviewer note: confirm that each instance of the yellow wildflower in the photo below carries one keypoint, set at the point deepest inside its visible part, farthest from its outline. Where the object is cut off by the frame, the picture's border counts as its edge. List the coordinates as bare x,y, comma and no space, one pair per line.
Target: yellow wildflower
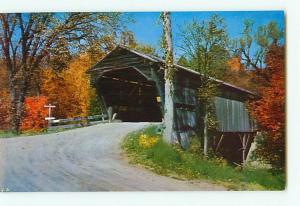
147,141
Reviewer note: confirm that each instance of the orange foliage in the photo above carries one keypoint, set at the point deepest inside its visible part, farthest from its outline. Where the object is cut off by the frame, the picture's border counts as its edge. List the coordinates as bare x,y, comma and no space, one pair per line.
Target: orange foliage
4,99
234,64
269,110
236,74
4,109
69,90
34,114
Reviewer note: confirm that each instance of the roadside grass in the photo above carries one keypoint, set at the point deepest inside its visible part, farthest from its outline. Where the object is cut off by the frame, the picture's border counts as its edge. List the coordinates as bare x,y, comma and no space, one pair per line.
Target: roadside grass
173,161
9,134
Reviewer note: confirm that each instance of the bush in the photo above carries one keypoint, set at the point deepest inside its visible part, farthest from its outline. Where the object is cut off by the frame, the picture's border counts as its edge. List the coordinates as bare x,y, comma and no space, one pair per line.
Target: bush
34,114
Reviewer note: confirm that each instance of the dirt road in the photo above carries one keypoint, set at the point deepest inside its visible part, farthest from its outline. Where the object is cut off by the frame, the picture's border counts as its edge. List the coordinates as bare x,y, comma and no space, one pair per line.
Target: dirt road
84,159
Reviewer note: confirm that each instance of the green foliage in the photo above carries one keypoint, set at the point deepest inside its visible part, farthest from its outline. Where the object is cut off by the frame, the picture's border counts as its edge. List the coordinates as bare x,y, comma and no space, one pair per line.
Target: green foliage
146,49
207,90
167,46
173,161
128,39
9,134
95,105
205,46
262,39
183,61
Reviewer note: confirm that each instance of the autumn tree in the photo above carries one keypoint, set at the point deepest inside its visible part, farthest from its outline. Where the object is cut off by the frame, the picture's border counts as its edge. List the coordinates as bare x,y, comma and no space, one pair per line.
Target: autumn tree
4,109
69,90
4,98
252,46
26,40
238,75
269,110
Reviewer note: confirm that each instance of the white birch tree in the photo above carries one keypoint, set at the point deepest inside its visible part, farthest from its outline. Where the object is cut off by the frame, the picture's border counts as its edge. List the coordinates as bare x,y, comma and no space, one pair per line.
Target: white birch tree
169,74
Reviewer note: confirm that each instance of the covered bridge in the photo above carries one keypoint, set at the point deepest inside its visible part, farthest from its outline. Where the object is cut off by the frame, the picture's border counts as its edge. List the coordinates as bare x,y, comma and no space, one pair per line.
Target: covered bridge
132,84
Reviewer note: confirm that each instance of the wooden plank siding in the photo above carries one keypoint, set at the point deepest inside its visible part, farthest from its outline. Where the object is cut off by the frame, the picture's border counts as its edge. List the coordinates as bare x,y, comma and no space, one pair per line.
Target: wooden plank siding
233,116
186,108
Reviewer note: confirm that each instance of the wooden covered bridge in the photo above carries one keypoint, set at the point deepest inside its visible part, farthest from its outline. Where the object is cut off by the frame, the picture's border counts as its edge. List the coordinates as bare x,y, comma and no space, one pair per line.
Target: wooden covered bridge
132,84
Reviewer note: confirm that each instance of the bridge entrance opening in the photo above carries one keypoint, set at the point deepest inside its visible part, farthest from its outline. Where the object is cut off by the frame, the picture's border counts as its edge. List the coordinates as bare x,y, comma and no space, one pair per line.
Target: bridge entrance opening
131,95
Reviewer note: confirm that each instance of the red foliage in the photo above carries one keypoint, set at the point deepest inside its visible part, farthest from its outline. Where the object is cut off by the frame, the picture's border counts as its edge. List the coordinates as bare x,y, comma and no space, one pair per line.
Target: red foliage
34,114
269,110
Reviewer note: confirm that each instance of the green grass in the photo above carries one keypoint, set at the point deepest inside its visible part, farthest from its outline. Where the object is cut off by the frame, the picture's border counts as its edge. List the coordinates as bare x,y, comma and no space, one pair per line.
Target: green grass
9,134
172,161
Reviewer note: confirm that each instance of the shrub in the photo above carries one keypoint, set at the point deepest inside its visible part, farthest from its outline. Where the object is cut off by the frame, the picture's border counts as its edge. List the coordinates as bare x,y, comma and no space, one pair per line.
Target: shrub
34,114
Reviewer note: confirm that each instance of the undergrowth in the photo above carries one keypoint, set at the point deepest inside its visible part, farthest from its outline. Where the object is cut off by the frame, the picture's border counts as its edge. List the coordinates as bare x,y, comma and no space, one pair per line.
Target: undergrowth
191,164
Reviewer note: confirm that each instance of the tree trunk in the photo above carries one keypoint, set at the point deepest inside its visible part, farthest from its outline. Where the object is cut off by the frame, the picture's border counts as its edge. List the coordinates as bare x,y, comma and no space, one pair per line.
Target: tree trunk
17,96
16,114
169,88
205,134
169,113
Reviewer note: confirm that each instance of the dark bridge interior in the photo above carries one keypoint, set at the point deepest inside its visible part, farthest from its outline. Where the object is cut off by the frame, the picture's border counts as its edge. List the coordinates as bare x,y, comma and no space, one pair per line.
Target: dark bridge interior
132,96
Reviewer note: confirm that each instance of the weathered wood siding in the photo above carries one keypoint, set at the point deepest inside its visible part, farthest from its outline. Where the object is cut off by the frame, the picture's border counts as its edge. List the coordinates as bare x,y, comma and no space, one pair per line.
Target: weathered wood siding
186,108
232,116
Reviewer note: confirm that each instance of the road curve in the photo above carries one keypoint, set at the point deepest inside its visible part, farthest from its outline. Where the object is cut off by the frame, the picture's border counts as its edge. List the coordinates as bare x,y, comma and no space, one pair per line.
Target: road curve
84,159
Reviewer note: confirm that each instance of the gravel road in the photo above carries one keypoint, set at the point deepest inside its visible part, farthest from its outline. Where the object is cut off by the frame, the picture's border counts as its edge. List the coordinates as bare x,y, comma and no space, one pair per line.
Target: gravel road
84,159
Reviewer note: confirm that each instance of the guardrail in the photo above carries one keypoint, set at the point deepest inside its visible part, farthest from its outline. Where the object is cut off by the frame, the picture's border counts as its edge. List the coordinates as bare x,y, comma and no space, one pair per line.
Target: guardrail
78,121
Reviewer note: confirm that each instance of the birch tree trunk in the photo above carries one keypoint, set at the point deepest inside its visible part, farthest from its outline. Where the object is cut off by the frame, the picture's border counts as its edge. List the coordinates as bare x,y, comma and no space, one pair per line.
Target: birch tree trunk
169,88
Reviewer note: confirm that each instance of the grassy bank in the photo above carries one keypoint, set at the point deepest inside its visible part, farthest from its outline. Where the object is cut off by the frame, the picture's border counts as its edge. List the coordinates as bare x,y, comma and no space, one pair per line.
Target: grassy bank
8,134
146,148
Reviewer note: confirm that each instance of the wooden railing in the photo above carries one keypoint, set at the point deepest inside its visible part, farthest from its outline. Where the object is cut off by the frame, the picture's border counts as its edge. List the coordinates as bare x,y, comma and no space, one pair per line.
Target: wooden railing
78,121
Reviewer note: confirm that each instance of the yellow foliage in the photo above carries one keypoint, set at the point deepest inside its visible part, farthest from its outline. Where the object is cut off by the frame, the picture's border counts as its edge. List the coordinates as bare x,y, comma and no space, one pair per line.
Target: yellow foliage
147,141
78,83
70,89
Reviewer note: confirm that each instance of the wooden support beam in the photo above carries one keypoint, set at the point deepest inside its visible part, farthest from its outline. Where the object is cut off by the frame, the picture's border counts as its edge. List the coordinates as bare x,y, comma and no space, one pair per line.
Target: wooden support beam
219,143
244,148
244,141
133,90
159,87
214,141
248,137
113,79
